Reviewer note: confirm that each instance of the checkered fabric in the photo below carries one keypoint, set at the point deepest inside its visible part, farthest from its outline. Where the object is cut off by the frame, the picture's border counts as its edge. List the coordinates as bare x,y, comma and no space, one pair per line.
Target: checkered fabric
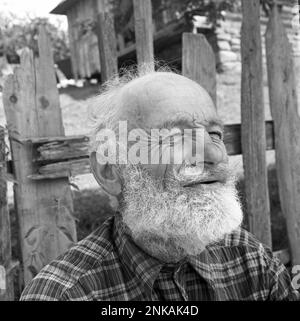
108,265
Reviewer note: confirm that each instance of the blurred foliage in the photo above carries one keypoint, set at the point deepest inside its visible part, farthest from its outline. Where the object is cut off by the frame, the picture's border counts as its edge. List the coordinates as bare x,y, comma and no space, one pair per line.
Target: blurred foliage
17,33
213,9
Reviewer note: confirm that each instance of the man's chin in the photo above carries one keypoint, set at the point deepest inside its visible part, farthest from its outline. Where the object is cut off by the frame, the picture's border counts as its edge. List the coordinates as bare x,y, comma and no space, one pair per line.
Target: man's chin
169,244
171,250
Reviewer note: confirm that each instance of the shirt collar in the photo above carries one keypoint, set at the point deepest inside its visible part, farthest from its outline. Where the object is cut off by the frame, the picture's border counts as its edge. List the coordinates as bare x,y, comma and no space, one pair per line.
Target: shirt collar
203,265
134,259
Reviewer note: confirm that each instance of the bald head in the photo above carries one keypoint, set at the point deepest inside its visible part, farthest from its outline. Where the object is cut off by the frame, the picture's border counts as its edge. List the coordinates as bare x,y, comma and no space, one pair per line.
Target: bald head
154,99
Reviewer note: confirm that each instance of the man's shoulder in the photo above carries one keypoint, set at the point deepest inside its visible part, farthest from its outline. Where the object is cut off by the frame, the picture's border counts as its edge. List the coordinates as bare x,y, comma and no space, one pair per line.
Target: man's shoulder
240,258
65,271
240,251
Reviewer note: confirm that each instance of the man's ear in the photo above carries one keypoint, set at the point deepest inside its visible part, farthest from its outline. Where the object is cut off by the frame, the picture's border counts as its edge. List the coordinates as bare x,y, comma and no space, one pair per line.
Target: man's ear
107,176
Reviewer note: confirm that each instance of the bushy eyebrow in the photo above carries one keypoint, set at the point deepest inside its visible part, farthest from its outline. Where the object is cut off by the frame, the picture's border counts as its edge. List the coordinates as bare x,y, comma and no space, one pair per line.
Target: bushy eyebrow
216,123
189,121
182,123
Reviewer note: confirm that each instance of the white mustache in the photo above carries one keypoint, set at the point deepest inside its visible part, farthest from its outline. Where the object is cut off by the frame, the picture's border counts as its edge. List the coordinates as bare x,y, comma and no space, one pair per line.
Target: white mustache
187,175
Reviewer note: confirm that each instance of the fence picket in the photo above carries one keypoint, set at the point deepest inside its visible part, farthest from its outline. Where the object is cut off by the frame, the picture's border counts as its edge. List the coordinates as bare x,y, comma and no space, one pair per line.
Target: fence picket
253,124
283,101
107,42
144,33
198,62
44,208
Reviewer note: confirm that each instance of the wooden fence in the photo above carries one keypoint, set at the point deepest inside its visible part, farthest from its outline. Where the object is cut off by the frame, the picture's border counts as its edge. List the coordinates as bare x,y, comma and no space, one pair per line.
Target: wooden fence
43,158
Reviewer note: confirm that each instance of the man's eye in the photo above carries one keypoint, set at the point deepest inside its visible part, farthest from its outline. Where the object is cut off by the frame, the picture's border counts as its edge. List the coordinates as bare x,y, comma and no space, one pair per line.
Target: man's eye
217,135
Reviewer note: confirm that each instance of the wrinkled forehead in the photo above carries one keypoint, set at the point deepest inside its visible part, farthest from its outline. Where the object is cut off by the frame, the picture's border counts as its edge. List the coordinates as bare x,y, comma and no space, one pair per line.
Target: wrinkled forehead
163,98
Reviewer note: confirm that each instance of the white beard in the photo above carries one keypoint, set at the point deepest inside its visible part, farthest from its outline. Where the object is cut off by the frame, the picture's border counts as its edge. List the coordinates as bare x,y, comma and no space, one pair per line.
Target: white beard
174,222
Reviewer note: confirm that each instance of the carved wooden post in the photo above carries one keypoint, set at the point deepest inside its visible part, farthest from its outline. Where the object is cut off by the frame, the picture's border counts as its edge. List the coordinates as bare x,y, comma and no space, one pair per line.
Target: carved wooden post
45,207
283,103
198,62
253,124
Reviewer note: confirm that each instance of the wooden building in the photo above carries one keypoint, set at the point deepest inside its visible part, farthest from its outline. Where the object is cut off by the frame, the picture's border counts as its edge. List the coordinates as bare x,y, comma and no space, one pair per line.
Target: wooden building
81,15
168,29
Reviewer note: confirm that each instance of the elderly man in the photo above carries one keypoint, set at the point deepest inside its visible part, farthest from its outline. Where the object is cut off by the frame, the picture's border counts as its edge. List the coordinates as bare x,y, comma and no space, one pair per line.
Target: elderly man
176,234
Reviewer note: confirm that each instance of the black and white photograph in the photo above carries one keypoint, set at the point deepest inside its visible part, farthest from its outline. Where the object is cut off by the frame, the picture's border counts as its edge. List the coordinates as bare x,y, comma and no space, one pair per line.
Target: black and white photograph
149,152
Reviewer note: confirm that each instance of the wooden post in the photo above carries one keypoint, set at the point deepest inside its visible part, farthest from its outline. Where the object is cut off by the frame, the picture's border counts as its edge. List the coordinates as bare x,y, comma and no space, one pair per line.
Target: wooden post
144,33
107,42
6,278
44,208
283,101
253,125
198,62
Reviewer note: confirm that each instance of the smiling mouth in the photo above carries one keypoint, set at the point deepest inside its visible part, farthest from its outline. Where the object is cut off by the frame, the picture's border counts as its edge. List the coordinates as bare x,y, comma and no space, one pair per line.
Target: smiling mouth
201,182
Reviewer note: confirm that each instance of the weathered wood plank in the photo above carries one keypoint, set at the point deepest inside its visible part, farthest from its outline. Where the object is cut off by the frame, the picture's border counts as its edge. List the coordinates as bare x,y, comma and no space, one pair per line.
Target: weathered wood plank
144,33
44,209
107,42
199,63
283,101
54,139
64,169
59,151
6,279
253,124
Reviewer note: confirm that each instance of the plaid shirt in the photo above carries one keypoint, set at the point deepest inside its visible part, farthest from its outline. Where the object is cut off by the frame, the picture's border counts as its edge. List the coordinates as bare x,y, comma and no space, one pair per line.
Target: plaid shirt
107,265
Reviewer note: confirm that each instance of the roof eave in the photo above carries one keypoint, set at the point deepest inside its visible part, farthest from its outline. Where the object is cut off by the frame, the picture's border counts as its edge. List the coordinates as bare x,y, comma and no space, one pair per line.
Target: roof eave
63,7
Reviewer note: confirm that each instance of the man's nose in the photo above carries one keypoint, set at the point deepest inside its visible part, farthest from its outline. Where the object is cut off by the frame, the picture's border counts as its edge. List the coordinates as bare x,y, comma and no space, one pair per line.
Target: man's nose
214,153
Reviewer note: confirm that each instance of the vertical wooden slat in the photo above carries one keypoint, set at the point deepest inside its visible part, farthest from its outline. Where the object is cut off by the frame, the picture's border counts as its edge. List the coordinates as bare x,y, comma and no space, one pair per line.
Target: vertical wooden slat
107,42
253,125
95,53
144,33
87,61
81,58
198,62
85,38
6,281
78,42
44,208
72,45
75,30
283,101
